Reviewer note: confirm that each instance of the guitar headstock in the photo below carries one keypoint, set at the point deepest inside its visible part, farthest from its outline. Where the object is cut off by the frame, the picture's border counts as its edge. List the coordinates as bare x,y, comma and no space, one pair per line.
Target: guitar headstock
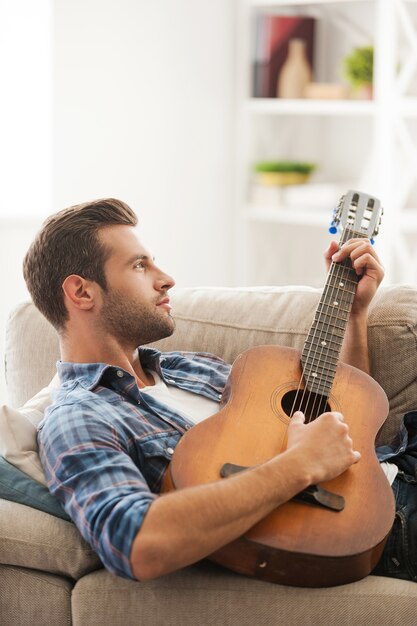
359,212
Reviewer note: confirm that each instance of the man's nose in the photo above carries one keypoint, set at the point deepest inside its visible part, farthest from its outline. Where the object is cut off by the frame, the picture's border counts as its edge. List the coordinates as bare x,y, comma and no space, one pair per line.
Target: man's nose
165,281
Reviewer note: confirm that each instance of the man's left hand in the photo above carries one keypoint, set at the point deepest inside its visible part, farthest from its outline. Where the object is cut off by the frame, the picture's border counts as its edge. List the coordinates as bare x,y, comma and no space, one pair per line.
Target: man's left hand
367,265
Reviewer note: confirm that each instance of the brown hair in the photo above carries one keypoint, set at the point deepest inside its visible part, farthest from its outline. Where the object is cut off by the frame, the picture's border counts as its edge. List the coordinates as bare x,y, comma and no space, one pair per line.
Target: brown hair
68,244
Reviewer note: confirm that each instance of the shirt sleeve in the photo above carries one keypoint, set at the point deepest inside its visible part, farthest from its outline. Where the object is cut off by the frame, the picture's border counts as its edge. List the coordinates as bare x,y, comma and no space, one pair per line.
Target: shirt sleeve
89,470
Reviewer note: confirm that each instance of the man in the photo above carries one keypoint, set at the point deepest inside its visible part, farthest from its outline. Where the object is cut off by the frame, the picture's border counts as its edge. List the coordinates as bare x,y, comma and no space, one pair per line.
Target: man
107,440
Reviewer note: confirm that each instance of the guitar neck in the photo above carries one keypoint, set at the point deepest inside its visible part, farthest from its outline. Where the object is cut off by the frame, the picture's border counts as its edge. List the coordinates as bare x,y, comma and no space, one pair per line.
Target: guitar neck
322,347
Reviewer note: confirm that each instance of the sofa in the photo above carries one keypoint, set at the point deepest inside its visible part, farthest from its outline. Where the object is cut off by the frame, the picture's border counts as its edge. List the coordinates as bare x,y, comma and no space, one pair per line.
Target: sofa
50,576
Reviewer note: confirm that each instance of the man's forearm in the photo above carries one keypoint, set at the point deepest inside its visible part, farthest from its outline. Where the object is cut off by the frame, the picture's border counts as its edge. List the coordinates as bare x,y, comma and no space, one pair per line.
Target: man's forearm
355,345
185,526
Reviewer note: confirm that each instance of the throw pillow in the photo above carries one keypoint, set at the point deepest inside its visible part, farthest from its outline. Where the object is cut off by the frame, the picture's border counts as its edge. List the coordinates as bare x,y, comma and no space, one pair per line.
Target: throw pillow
18,428
19,487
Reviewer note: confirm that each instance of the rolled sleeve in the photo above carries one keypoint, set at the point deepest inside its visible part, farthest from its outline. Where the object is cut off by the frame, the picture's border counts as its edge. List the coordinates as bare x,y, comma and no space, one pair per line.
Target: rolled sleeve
89,470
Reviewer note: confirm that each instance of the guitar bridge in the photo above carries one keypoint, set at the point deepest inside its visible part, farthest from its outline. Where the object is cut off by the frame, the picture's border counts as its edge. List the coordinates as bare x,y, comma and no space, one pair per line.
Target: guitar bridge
314,494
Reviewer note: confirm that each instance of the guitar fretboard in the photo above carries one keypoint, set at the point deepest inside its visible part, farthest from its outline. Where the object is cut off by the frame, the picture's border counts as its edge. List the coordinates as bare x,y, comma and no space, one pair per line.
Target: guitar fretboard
322,347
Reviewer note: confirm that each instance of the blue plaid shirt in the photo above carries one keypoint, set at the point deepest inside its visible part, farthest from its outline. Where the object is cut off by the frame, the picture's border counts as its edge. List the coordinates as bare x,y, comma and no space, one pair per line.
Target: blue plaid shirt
105,445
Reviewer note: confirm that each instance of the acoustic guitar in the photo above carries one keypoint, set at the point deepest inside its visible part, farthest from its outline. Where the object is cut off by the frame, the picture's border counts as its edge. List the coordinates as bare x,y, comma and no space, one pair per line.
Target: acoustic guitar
332,533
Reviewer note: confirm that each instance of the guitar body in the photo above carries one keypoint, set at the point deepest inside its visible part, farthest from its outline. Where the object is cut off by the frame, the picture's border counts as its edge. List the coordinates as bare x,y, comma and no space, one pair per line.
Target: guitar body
299,544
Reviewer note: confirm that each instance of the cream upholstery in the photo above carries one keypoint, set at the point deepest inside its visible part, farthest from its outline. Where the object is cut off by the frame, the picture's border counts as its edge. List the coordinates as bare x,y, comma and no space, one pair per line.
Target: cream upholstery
41,554
42,542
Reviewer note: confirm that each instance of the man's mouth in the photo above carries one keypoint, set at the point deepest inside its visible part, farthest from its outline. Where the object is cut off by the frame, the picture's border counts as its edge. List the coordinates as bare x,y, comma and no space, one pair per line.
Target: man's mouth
165,303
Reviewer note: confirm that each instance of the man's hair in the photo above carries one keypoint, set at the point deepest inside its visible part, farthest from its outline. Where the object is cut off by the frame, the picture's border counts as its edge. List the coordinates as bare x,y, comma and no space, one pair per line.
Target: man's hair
68,243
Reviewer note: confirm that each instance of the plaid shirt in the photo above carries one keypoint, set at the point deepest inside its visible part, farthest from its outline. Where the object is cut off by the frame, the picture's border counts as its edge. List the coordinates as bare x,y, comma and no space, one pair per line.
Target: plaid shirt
105,445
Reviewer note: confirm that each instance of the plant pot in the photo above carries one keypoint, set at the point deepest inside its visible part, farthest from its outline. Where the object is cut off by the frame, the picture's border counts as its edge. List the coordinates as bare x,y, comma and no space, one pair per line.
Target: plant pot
282,178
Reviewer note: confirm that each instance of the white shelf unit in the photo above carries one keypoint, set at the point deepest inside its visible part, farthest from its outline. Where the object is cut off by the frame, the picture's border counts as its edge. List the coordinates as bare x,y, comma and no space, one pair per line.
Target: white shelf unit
309,107
371,143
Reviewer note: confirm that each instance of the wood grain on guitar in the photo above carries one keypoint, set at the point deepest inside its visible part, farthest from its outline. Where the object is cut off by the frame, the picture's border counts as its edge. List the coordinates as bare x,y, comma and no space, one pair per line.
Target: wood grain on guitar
333,533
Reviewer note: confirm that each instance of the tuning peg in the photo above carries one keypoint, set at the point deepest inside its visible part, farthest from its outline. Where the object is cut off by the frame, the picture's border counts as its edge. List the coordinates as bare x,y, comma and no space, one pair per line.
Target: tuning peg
332,228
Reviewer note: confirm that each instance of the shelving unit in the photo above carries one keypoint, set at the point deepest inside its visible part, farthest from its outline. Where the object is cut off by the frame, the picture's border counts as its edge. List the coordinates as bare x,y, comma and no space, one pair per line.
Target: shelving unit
370,145
310,107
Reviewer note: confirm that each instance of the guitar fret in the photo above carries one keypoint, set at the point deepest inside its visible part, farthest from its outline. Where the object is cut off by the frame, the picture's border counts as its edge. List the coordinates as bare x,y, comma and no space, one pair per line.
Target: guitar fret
316,362
331,308
323,354
322,333
323,345
320,354
319,381
320,368
348,275
341,290
338,321
324,342
335,312
346,279
338,293
323,390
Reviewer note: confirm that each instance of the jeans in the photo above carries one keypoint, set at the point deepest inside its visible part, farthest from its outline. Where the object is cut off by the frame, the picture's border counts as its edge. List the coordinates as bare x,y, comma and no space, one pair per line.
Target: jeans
399,559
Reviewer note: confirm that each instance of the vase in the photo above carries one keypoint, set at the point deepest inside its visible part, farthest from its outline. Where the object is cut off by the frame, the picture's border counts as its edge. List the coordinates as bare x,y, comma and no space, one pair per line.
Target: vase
296,71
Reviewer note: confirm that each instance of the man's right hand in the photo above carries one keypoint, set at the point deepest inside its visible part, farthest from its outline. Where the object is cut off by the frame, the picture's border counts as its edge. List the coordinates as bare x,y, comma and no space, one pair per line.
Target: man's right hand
324,445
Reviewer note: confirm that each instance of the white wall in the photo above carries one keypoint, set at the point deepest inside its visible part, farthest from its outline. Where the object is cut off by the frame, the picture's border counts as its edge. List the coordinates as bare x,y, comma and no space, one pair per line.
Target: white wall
26,142
143,110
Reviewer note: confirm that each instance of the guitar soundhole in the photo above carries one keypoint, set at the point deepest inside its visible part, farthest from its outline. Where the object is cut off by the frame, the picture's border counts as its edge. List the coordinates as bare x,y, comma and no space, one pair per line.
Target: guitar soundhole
311,404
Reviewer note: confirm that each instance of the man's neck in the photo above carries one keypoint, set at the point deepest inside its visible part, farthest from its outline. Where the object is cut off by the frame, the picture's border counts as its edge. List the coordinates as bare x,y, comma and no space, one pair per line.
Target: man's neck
88,348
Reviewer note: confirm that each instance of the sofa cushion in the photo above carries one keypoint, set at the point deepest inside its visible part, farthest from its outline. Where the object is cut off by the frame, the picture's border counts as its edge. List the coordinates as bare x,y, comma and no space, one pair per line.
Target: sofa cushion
17,486
18,429
36,540
32,598
209,595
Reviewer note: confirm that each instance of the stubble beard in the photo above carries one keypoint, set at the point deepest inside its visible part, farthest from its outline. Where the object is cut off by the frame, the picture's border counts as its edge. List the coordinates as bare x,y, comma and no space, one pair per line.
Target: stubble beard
134,323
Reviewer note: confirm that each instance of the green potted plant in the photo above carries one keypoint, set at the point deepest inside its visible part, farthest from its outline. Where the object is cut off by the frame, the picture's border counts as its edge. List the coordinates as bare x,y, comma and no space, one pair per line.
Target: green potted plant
359,69
283,172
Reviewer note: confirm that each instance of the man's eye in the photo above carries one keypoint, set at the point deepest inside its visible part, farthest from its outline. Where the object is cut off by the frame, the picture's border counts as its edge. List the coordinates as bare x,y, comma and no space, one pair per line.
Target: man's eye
140,265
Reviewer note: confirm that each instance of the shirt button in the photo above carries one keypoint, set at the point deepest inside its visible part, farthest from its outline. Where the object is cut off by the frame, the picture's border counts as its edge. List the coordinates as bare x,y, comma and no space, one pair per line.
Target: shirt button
119,373
220,396
170,450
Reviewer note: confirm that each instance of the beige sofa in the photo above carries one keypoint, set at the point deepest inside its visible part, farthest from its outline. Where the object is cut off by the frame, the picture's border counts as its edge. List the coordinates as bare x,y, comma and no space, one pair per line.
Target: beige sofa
48,574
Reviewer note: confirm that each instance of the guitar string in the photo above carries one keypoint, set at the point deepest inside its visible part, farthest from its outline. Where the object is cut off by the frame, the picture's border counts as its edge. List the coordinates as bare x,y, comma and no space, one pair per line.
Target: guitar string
325,340
347,273
315,352
334,294
337,274
333,315
341,274
303,376
312,345
303,372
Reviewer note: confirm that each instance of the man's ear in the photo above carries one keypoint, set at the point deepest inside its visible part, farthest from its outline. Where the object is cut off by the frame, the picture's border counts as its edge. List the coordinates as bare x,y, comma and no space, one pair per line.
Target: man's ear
80,293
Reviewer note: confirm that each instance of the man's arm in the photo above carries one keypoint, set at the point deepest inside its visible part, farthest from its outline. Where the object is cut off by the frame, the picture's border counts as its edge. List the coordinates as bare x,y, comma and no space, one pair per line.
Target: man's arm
83,450
187,525
368,266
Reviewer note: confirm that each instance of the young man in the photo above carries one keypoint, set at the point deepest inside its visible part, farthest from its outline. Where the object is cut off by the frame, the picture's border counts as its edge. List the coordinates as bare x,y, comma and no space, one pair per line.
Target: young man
107,440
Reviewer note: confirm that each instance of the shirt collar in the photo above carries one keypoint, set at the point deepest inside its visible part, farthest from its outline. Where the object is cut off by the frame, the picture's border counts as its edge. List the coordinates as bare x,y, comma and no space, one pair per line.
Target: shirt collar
89,374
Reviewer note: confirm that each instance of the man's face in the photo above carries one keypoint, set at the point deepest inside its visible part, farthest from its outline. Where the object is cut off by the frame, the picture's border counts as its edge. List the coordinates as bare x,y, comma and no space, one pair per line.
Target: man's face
135,307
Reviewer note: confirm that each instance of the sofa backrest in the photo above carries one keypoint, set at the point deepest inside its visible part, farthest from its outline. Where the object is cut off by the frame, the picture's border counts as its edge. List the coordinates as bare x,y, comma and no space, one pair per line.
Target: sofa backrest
227,321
